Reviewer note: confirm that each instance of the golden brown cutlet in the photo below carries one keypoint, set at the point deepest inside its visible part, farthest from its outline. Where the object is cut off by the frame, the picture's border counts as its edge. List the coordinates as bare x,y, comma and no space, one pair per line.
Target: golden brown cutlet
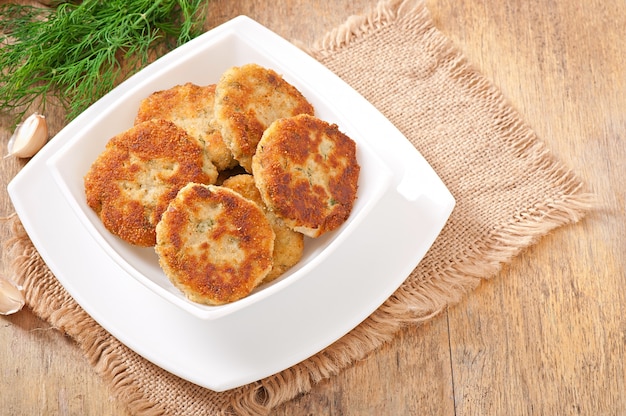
190,107
214,245
141,169
247,100
307,173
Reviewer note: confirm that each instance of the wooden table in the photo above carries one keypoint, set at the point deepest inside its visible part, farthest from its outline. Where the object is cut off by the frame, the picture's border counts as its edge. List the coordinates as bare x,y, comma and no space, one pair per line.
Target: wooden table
545,336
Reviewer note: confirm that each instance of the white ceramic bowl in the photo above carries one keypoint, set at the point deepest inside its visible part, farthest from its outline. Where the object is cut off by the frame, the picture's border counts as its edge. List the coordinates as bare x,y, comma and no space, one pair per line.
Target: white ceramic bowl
343,277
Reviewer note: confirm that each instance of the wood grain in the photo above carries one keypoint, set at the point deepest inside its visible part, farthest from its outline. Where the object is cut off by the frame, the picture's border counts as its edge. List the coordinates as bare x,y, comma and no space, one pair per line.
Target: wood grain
549,336
544,336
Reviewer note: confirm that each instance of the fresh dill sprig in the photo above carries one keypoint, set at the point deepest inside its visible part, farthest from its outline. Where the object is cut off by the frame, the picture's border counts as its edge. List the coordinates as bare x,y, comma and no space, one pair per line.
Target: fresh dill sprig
78,52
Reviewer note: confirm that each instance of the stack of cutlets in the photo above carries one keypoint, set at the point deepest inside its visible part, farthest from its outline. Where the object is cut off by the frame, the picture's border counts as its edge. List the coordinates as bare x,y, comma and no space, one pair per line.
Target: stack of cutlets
225,181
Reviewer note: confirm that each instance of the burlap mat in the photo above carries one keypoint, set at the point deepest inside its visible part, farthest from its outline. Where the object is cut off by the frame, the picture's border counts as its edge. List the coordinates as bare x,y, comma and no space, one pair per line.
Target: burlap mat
509,192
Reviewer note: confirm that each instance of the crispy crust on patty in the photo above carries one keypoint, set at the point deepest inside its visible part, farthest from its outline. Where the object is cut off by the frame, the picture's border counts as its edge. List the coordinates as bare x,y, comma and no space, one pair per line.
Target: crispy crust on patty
141,169
307,173
214,244
289,244
190,107
247,100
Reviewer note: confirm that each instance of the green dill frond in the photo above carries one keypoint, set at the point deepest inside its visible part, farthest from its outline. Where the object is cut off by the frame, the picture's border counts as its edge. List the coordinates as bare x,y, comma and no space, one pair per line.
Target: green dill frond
78,52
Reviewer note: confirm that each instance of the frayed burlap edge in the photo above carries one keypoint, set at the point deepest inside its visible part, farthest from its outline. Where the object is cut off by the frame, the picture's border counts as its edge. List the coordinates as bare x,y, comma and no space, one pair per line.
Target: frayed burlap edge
418,300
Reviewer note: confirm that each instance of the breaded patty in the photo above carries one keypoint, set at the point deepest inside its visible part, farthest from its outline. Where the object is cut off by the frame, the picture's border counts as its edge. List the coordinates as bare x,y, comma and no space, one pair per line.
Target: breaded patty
247,100
289,244
214,244
307,173
190,107
141,169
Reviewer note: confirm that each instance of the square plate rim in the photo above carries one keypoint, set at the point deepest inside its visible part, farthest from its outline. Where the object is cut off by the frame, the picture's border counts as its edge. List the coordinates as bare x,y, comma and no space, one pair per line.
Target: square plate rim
443,200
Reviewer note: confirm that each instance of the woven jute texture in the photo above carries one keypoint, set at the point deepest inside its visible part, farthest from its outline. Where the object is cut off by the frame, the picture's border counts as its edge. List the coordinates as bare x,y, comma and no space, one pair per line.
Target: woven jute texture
509,190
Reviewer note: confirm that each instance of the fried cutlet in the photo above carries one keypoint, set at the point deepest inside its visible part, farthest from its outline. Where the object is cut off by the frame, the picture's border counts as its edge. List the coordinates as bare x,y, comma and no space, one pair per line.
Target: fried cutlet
214,244
141,169
307,173
289,244
247,100
190,107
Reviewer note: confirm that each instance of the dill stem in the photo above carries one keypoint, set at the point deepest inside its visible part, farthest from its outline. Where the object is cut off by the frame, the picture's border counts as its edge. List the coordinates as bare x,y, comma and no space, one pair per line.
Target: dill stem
147,12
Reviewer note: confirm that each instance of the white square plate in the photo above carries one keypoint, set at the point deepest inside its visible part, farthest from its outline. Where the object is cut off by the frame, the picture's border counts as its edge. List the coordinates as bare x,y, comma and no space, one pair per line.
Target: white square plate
402,206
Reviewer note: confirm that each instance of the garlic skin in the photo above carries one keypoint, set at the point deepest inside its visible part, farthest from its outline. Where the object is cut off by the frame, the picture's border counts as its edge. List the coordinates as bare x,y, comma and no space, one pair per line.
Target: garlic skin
29,136
11,298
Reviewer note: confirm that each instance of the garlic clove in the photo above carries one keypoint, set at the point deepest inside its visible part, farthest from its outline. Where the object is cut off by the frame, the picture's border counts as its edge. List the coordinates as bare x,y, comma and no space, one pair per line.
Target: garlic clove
11,298
29,136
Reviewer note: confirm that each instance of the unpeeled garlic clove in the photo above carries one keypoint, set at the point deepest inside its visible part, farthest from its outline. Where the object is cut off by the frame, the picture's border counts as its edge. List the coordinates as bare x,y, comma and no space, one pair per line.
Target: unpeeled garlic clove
29,136
11,298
